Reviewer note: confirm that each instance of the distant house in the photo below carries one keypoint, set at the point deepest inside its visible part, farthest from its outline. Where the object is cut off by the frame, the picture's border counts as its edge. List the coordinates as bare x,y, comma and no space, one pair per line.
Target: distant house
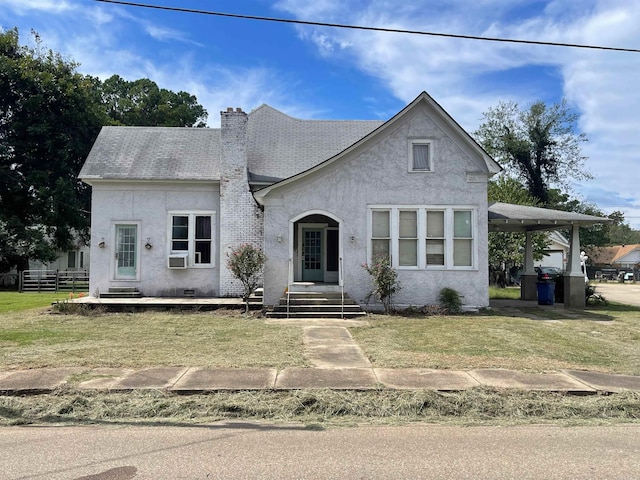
618,257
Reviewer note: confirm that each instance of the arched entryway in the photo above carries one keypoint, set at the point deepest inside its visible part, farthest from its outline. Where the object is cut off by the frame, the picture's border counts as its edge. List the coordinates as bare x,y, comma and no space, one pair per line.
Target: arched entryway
316,248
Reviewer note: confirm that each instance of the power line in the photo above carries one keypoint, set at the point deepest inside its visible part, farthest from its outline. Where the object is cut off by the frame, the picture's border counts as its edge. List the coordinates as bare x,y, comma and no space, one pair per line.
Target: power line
361,27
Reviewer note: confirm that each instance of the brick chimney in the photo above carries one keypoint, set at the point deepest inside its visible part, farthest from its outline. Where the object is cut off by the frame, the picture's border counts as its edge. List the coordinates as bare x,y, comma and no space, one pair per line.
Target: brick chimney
240,217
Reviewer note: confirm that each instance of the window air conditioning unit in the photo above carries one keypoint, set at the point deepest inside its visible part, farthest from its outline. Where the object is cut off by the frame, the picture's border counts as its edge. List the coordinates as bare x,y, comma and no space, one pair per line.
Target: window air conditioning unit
178,260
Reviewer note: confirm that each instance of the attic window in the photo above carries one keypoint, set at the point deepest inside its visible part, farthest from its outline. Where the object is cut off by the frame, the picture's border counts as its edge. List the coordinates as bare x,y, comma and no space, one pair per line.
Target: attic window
420,156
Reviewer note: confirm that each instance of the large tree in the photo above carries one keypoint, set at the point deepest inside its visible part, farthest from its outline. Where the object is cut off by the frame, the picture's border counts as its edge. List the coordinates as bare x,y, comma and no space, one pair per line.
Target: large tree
142,102
538,145
49,117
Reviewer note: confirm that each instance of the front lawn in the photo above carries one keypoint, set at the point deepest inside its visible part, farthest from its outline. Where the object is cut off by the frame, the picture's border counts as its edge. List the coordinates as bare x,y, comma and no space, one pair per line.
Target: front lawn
605,338
36,339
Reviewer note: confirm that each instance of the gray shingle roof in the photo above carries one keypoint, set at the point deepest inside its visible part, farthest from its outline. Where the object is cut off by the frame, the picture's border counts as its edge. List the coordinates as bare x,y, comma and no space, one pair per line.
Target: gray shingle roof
281,146
278,146
154,153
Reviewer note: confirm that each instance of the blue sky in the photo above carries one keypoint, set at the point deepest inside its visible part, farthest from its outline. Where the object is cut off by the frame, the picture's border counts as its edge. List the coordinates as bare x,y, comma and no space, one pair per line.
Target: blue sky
321,72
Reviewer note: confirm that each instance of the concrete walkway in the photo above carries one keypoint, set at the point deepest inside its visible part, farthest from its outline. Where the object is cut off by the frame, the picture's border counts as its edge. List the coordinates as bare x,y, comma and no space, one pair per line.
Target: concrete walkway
190,380
338,363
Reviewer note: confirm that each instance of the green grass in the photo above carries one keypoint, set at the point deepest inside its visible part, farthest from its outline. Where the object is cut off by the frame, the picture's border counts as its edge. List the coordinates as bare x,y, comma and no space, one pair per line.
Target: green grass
15,302
36,339
510,293
604,339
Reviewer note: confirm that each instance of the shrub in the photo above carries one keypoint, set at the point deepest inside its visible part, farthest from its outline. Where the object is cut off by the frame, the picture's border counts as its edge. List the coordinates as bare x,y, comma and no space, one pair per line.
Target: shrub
385,281
246,263
450,300
69,307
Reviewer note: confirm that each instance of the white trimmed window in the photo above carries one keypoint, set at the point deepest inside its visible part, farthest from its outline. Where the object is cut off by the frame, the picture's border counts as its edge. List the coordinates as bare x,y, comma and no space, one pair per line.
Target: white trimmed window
462,239
420,156
380,233
408,238
435,240
192,234
422,237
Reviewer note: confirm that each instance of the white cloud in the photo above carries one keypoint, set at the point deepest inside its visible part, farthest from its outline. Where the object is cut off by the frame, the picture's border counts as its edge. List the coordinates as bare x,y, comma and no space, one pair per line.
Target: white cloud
601,85
23,7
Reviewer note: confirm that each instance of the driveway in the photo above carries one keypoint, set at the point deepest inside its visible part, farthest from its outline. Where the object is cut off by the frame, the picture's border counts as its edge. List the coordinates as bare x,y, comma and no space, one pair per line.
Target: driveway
625,293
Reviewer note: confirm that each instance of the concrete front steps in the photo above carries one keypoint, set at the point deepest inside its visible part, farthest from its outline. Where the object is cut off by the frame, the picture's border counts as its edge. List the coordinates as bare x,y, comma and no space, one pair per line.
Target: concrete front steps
314,304
121,292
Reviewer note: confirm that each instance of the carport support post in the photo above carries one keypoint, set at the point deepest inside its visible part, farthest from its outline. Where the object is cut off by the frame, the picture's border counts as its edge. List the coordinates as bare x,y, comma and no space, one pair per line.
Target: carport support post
528,279
574,285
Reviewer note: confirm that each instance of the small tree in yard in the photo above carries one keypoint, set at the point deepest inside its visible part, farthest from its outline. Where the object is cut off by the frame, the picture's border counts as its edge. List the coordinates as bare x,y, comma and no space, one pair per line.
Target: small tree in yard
246,263
385,281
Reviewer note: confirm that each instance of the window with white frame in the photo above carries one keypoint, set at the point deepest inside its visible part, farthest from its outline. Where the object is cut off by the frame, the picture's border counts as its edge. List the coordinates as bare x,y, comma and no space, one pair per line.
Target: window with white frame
435,240
422,237
192,234
420,156
462,239
380,233
408,238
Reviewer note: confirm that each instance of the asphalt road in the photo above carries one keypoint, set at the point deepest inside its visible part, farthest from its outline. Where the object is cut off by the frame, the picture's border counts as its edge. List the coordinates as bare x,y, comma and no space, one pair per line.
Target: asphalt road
261,451
625,293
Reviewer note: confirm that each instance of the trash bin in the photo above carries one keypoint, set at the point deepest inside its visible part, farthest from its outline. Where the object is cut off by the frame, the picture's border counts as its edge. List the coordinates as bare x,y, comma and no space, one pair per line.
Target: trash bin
546,293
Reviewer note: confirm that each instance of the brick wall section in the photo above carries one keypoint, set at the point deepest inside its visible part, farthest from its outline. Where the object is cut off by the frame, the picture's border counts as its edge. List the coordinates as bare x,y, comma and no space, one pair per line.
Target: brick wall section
241,220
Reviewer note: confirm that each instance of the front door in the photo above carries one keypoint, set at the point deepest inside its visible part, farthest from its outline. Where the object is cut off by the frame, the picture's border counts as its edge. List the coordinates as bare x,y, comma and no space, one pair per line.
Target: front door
312,255
126,252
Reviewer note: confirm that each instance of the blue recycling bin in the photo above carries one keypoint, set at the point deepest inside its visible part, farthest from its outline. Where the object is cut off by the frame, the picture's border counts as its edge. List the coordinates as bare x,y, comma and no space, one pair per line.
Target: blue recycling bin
546,293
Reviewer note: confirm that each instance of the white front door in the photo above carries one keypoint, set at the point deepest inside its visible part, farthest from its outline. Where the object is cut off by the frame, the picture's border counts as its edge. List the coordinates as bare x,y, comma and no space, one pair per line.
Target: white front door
126,265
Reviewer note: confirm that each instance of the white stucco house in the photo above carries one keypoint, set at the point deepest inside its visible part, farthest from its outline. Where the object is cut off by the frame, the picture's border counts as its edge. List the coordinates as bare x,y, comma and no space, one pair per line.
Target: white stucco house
320,197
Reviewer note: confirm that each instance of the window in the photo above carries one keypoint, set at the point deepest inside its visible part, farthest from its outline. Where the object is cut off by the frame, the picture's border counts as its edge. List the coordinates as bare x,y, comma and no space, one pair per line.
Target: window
435,238
71,259
408,238
380,236
421,237
462,239
420,156
192,234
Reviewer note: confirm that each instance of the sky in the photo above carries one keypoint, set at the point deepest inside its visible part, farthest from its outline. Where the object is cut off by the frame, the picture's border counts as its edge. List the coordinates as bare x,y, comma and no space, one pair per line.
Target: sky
316,72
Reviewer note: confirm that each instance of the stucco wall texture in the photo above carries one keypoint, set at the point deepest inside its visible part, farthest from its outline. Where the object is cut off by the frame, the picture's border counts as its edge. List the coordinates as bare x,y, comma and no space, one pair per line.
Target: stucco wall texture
376,173
147,204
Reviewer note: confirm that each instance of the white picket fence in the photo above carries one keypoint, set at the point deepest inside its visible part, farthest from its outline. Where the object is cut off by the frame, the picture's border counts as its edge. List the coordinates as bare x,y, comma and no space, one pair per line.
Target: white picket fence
54,281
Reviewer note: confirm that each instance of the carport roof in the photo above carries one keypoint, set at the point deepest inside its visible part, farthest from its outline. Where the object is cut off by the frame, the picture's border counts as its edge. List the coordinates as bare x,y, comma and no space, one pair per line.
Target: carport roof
506,217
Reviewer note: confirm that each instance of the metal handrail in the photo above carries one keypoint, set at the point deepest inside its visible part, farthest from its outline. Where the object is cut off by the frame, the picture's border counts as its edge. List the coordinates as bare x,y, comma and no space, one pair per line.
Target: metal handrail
341,281
289,279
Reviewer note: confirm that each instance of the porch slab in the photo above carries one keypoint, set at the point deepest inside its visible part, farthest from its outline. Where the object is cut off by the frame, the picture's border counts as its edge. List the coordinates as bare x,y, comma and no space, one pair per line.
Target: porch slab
333,378
547,382
605,382
211,379
36,380
423,378
318,322
150,378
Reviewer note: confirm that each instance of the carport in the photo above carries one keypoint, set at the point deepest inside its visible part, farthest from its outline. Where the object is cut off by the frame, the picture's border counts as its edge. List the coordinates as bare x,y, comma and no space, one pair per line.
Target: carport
505,217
